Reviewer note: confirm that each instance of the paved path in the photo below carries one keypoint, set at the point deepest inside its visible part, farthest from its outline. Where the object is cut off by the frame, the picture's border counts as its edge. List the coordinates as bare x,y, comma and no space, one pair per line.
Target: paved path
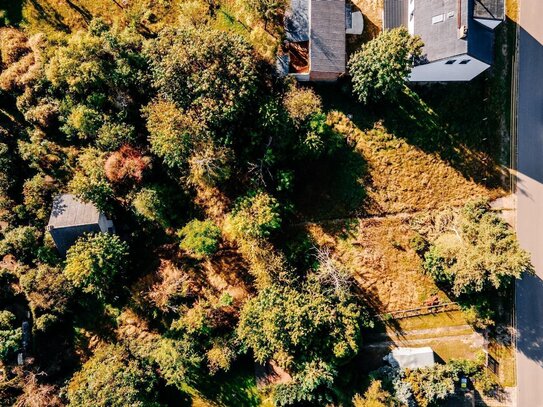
529,298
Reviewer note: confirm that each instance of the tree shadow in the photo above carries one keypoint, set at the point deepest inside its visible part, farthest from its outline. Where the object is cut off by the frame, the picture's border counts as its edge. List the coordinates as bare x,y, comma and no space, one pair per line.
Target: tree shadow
332,186
13,12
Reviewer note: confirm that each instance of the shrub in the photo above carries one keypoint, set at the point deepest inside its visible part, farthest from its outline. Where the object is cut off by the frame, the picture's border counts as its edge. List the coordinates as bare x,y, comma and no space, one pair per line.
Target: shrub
301,104
152,204
200,238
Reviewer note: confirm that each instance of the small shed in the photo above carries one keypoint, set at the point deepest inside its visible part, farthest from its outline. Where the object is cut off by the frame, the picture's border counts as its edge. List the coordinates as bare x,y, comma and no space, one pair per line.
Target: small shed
412,358
70,218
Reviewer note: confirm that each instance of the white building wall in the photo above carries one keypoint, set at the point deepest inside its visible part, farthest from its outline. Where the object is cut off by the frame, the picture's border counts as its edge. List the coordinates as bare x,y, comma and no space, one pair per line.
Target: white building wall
441,71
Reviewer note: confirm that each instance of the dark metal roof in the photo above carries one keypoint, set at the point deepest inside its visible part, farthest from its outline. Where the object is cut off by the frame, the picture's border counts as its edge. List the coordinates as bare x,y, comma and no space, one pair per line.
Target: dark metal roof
395,14
489,9
327,44
69,211
441,39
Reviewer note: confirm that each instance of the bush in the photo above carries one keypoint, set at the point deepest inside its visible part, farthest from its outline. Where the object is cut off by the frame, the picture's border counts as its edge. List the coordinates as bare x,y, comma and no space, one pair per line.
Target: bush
419,244
152,204
301,104
200,238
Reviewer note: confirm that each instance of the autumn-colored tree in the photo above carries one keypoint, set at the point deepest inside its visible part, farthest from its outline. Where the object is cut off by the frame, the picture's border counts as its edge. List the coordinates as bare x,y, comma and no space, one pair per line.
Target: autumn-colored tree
126,164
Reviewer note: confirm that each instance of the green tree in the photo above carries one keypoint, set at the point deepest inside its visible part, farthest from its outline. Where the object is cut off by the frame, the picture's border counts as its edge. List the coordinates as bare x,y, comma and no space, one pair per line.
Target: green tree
200,238
22,242
480,252
48,293
379,69
89,181
173,134
10,336
94,261
154,204
212,73
113,378
38,192
255,216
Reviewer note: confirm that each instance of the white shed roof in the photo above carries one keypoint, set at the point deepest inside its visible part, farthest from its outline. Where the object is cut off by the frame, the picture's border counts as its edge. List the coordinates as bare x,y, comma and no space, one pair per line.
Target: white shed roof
412,358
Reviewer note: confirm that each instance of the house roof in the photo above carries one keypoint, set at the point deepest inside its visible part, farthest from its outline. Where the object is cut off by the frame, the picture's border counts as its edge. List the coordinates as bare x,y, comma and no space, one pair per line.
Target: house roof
412,358
489,9
437,22
68,211
327,45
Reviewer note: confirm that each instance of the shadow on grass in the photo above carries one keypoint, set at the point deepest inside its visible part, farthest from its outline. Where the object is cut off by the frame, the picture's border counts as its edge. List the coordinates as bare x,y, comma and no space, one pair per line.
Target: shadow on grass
332,186
460,122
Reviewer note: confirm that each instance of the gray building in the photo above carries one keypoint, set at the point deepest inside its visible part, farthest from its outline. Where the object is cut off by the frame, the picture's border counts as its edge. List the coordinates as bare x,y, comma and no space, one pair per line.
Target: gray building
70,218
316,31
458,35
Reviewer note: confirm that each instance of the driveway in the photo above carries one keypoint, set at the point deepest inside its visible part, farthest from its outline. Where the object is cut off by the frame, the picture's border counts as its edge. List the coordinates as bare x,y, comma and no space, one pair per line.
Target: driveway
529,293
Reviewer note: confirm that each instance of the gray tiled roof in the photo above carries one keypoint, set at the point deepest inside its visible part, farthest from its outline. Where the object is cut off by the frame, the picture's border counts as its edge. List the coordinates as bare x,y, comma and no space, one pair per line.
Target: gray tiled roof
395,14
327,43
441,38
69,211
492,9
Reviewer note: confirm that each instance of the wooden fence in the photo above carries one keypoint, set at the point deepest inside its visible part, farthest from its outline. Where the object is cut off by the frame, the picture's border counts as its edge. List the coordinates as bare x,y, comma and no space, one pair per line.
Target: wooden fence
425,310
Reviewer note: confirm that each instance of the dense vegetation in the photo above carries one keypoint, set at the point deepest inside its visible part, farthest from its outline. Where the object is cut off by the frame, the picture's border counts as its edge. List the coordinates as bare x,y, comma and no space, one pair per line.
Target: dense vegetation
181,132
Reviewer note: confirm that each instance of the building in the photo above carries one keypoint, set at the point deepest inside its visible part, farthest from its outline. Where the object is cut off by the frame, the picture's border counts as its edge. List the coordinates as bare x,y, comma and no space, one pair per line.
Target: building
458,35
70,218
315,46
412,358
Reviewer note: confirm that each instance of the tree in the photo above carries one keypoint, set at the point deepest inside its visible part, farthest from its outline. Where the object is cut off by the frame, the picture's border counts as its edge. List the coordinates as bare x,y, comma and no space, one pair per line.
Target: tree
173,133
375,396
154,204
48,293
307,332
89,181
301,103
255,216
200,238
10,336
380,68
113,378
126,164
38,193
22,242
210,72
94,261
479,253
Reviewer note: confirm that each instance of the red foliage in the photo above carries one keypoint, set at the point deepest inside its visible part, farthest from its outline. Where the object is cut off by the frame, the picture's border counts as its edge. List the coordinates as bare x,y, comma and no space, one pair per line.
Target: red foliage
126,164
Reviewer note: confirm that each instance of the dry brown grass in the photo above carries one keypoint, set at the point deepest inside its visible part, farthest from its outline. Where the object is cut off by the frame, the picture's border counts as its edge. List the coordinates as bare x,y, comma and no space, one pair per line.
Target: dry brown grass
403,178
376,251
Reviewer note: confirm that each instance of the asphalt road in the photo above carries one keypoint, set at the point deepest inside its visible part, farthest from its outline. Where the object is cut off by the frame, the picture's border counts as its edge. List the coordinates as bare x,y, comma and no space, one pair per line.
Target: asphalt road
529,292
